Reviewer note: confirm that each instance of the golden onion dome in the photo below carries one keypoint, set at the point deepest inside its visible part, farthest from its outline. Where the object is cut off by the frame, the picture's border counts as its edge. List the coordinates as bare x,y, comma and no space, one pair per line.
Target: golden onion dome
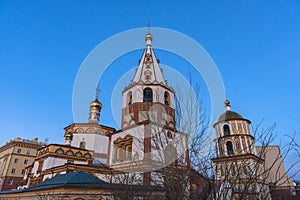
148,36
69,135
96,103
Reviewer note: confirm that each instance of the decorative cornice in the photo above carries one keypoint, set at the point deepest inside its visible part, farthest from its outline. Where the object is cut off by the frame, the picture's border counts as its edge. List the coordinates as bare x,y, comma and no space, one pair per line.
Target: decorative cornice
237,158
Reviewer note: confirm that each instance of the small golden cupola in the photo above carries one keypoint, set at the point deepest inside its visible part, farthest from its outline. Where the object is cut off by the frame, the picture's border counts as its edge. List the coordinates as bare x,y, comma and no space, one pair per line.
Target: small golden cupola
95,109
68,138
148,37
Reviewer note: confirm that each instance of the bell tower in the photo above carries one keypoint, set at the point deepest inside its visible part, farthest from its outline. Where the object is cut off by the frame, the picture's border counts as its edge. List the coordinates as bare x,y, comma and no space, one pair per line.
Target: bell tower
238,168
148,97
148,121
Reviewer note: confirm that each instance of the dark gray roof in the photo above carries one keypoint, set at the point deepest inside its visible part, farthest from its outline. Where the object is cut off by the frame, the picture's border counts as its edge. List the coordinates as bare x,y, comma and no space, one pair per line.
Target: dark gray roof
80,179
73,179
229,115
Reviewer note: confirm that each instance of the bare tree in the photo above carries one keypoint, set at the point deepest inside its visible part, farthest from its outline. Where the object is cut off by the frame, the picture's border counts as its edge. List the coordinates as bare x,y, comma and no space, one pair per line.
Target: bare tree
192,174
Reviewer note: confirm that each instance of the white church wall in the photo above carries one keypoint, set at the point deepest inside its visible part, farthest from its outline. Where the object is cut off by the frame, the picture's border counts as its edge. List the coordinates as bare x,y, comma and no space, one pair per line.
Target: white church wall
137,144
35,168
161,139
53,162
93,141
101,144
80,162
86,137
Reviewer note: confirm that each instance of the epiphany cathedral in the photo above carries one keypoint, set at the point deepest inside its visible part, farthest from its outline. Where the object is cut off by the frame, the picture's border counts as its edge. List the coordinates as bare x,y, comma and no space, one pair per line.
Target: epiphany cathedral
147,112
148,142
148,139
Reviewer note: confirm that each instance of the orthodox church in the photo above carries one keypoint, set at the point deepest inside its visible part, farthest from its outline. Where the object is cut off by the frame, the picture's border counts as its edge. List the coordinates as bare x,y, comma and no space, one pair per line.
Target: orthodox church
147,142
148,139
148,113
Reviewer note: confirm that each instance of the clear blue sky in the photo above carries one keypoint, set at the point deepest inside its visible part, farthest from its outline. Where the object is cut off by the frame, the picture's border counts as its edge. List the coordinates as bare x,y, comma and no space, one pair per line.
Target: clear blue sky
255,44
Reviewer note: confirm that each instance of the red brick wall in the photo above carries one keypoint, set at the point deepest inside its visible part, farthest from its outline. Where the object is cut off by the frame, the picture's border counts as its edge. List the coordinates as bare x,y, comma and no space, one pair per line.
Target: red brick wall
14,185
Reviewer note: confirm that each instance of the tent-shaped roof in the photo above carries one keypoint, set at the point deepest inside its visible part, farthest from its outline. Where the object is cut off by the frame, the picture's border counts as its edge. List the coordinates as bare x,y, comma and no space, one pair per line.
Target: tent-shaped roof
149,70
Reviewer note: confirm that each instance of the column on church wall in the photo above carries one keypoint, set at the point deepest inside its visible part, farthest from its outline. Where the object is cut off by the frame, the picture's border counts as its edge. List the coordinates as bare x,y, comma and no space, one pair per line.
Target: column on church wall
241,145
247,145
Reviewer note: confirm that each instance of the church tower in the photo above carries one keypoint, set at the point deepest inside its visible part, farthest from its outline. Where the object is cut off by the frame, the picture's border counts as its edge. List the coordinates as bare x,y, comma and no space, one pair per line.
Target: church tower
238,168
91,135
148,128
148,97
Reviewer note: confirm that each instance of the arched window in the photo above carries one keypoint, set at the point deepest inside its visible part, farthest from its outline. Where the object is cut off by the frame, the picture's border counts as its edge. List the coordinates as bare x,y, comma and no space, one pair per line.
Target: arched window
226,130
87,155
59,151
78,154
82,145
229,148
70,153
129,98
167,98
148,95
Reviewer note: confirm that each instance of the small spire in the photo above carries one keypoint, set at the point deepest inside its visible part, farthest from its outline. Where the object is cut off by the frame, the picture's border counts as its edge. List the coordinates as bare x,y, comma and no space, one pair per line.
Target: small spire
149,27
227,105
148,36
98,90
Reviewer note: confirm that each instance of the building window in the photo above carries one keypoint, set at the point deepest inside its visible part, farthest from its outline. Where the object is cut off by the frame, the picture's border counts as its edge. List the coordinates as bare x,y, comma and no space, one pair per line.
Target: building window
82,145
128,151
229,148
10,181
226,130
167,98
169,135
25,162
70,153
129,98
148,95
13,170
87,155
123,148
19,151
118,154
16,160
78,154
59,151
28,152
23,171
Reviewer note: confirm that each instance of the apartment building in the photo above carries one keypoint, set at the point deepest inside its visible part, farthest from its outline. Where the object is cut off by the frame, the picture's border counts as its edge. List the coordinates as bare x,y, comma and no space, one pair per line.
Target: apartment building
15,156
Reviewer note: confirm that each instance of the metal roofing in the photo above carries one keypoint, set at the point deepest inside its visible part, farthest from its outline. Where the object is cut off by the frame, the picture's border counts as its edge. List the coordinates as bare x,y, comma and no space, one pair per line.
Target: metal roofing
80,179
73,179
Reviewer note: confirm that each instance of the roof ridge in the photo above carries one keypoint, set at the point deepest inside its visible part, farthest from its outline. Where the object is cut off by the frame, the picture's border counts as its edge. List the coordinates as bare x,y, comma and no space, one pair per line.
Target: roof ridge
72,175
